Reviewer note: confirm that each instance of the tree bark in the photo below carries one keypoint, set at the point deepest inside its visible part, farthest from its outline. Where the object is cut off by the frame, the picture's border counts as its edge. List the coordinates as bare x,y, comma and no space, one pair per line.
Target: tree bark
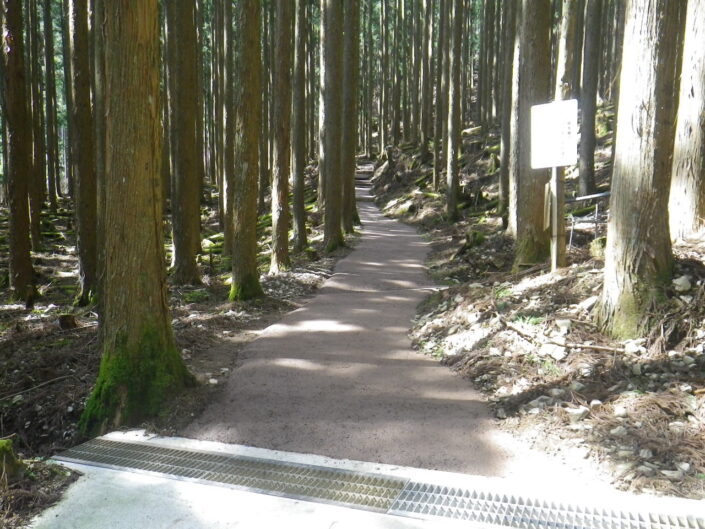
566,51
281,119
438,121
245,280
533,237
348,146
51,128
426,77
453,140
588,96
506,113
19,152
187,175
140,367
687,197
84,154
638,258
298,151
331,120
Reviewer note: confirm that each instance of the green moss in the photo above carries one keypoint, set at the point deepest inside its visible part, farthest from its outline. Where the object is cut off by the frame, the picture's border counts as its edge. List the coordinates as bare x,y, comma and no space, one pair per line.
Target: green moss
10,466
248,288
134,381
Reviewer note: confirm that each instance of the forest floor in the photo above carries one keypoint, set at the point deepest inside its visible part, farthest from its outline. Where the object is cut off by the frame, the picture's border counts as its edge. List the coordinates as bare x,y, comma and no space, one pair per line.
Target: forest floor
49,355
634,409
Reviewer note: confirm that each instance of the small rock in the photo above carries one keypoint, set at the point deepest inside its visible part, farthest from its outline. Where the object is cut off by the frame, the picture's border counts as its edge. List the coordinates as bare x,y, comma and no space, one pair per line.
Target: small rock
684,467
224,370
619,431
682,284
595,403
212,381
577,386
501,414
67,321
564,326
556,392
636,370
645,453
624,454
458,299
577,414
644,469
588,303
540,402
474,285
557,352
69,409
620,411
634,347
676,426
672,474
688,360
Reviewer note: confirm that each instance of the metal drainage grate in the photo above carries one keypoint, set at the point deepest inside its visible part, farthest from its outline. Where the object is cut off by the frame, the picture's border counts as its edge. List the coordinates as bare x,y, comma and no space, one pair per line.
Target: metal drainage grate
352,489
373,492
425,500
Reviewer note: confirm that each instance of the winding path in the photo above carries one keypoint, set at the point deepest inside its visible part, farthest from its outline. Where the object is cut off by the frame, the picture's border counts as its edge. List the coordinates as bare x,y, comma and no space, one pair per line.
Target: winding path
338,377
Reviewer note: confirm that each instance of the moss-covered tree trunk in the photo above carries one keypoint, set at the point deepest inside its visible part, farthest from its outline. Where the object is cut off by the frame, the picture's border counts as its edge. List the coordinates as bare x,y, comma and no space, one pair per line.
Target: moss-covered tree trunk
184,87
245,280
19,151
351,70
534,70
638,257
687,200
83,153
141,367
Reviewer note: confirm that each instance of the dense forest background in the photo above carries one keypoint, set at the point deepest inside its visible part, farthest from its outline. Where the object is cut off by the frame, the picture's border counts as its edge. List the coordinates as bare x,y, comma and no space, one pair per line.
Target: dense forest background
161,154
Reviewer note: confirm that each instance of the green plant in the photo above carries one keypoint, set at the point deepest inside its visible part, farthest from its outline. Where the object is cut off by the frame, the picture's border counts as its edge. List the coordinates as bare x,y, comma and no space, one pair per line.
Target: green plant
196,296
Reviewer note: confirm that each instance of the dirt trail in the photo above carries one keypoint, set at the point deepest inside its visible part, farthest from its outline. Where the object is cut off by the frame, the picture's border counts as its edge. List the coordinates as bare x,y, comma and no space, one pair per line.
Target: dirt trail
338,377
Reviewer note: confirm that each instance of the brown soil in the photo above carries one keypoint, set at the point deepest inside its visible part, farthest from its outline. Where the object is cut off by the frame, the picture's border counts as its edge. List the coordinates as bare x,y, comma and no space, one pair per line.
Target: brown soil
528,340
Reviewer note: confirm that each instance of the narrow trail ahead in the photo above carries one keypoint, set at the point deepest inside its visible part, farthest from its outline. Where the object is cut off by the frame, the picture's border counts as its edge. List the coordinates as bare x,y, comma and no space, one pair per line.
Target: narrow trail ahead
338,377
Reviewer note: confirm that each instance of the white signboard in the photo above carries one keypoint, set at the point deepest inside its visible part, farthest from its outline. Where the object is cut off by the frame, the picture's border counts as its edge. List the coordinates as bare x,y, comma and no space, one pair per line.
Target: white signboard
554,134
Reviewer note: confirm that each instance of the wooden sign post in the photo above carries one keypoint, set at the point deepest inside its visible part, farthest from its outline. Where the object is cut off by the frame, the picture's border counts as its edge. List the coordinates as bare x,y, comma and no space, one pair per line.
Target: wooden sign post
554,144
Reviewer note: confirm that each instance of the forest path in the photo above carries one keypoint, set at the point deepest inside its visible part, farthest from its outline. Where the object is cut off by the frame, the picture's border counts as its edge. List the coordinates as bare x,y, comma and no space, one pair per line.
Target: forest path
338,377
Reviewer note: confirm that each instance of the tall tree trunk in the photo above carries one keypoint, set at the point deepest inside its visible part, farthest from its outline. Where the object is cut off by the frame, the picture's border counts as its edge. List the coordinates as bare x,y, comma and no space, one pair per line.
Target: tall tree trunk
51,128
638,258
331,119
453,141
588,96
264,174
351,70
298,151
140,367
438,122
687,199
184,88
426,77
84,153
383,75
37,183
245,280
19,152
281,120
566,51
227,189
534,88
507,71
514,129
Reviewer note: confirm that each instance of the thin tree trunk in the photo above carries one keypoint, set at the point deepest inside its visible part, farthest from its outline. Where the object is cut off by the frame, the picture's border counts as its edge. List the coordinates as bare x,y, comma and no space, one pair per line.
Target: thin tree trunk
331,119
351,69
37,183
438,125
588,97
19,152
506,114
453,141
245,280
264,174
51,129
298,151
184,88
281,119
566,51
84,153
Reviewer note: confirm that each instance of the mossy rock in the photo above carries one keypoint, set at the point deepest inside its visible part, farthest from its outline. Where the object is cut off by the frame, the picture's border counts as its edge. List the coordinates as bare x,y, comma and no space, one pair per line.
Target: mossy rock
474,238
10,466
597,247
